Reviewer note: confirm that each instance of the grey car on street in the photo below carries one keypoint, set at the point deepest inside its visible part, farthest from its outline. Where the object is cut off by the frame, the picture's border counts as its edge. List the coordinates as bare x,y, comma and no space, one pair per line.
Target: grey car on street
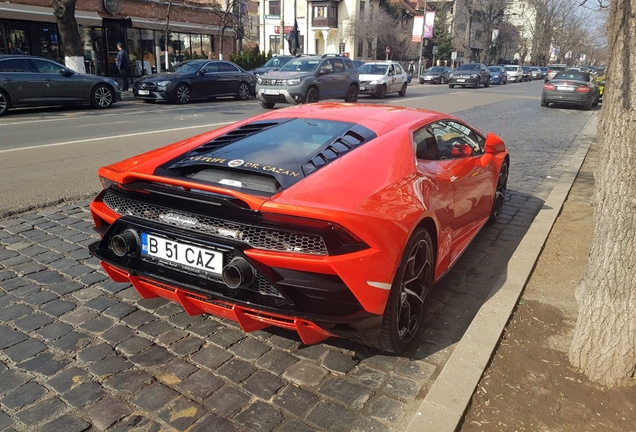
308,80
472,74
571,88
28,81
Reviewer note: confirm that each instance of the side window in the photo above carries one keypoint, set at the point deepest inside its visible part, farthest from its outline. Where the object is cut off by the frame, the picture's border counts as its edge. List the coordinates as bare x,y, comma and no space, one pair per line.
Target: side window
226,67
45,66
425,145
398,69
348,63
15,65
338,66
391,70
210,68
326,66
454,140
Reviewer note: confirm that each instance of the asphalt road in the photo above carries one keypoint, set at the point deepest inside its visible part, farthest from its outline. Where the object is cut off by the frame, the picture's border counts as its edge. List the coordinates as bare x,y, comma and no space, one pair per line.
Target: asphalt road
50,155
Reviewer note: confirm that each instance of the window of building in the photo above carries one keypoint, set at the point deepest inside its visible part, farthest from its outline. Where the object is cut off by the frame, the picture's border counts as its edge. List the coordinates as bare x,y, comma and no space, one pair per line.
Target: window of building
370,12
360,47
274,43
274,7
320,12
370,49
333,12
362,5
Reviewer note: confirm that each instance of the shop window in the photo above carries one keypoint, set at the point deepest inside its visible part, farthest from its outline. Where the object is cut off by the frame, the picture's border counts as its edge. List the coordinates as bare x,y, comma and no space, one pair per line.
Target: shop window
197,50
100,57
18,42
3,46
207,46
186,46
274,7
133,46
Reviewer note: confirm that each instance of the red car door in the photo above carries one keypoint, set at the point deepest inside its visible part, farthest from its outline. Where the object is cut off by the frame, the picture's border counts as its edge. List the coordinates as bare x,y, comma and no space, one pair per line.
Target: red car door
461,150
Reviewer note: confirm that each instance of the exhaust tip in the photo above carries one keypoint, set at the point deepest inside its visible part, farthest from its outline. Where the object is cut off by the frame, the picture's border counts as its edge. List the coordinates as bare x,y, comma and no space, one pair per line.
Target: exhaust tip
238,273
125,243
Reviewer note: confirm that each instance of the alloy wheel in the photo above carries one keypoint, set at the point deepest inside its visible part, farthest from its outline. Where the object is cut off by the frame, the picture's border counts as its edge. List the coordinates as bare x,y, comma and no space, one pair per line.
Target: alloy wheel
4,103
414,290
244,92
500,193
183,94
312,95
103,97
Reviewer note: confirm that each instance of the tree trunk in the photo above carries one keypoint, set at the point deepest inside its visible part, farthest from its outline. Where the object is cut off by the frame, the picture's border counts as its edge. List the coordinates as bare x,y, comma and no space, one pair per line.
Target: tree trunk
64,11
604,344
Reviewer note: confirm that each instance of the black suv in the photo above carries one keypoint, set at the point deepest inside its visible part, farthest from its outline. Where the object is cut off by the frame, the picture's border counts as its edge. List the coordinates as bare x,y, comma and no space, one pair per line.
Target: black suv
473,74
309,79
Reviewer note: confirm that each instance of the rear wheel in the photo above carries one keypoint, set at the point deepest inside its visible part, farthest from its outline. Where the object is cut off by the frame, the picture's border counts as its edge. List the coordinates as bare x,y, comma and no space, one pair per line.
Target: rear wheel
500,193
243,92
267,105
588,106
544,103
403,91
487,84
312,95
4,103
381,93
352,94
451,86
404,313
182,94
102,96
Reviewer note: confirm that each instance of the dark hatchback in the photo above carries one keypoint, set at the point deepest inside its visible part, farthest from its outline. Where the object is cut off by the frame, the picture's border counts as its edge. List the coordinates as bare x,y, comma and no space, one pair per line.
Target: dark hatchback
27,81
435,75
472,74
196,79
571,88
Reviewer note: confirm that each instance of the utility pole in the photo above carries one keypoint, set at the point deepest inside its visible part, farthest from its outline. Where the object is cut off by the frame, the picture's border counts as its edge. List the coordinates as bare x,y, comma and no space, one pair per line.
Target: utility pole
419,63
282,28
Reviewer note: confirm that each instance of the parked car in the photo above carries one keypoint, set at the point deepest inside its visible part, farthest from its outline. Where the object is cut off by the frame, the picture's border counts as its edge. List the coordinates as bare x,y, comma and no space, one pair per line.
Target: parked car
436,75
544,70
553,70
358,63
497,75
196,79
535,72
474,74
308,80
571,88
380,78
273,64
514,73
527,75
294,218
29,81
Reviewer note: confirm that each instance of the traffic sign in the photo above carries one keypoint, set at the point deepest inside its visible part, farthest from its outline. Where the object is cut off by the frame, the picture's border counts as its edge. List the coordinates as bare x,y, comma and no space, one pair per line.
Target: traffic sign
388,50
454,55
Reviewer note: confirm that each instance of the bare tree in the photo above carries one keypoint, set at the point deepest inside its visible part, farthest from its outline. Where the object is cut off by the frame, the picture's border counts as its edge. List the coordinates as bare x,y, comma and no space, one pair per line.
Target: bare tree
604,343
64,11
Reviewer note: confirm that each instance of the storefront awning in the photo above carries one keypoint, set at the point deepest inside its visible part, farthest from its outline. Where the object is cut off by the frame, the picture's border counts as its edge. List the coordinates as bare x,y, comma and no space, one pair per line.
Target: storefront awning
43,14
175,26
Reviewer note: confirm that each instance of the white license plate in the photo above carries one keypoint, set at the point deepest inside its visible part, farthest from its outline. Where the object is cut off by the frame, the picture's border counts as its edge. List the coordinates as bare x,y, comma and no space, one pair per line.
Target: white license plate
271,92
427,78
144,92
565,88
363,88
461,80
181,253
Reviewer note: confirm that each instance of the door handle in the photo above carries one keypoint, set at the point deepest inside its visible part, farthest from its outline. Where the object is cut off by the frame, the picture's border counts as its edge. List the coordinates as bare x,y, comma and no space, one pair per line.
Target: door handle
7,79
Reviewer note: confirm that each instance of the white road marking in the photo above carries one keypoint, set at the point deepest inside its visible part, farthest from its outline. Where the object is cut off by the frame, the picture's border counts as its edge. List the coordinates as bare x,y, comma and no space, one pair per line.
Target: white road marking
113,137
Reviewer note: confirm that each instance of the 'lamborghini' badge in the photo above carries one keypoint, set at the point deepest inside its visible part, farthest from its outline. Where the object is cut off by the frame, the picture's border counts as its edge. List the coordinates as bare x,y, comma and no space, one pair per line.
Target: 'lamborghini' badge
178,219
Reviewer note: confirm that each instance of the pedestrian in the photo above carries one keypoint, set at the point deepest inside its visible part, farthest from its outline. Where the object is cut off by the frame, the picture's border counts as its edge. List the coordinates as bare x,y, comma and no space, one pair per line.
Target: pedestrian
411,68
123,63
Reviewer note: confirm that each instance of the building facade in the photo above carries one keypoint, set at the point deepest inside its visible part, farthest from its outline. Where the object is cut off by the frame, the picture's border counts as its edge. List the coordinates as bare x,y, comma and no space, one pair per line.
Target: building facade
143,26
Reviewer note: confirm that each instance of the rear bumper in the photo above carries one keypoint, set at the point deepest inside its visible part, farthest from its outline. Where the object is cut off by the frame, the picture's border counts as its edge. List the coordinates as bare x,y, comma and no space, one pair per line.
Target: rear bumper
568,98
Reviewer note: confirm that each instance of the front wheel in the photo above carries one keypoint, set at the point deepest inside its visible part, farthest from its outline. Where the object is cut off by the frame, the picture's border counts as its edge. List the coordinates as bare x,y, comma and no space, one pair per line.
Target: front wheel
500,193
267,105
403,91
4,103
243,92
478,83
451,86
352,94
381,94
182,94
102,96
312,95
404,312
487,84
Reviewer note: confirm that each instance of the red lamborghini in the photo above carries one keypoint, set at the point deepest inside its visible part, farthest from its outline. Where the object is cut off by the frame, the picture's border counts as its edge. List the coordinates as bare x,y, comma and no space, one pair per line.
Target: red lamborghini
327,219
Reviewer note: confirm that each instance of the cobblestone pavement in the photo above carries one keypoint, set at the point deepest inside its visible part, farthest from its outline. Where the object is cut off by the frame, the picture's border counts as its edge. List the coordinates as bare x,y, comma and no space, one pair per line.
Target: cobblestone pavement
79,351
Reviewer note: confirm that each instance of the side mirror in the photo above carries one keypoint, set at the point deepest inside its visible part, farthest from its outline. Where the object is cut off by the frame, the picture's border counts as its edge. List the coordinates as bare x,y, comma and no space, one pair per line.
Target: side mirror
66,73
324,71
494,144
202,72
461,150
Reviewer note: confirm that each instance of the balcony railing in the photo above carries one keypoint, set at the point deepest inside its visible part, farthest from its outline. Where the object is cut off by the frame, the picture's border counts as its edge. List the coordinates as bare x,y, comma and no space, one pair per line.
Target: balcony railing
324,22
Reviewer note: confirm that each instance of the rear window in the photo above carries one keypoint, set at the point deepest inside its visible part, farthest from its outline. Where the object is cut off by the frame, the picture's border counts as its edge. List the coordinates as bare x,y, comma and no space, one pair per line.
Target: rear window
557,68
575,76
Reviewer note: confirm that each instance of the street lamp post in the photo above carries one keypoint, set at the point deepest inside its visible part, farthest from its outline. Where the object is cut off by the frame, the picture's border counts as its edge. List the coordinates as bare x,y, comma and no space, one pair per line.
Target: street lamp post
419,63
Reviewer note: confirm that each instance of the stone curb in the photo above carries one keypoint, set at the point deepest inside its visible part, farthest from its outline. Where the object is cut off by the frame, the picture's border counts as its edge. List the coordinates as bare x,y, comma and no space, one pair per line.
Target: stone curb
443,407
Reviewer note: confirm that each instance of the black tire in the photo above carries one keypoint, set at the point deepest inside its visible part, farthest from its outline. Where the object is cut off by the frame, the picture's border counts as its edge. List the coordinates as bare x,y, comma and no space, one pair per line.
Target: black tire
421,81
150,101
5,103
267,105
500,193
404,312
243,92
182,94
403,91
589,105
544,103
381,93
102,96
352,94
478,83
312,95
487,84
451,86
